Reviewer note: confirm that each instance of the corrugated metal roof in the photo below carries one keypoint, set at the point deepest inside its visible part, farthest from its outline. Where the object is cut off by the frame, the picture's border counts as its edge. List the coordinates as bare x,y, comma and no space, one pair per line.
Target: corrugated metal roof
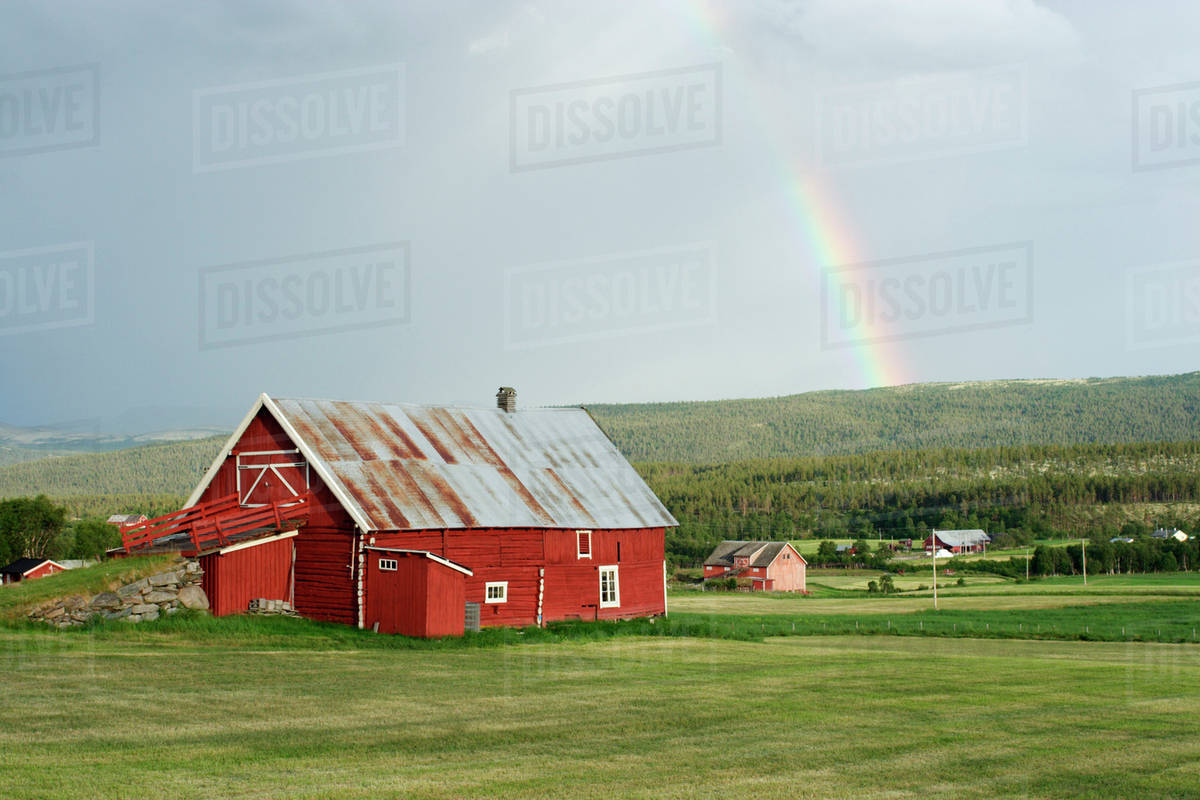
763,553
963,538
412,467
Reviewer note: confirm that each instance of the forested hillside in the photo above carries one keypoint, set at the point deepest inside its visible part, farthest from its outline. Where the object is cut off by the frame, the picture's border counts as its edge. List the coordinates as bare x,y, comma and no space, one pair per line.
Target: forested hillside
151,479
1054,455
915,417
1048,490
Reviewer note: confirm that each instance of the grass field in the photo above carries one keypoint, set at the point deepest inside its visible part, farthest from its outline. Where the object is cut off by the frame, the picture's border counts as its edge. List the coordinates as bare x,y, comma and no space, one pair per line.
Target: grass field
1155,607
863,717
1044,689
858,579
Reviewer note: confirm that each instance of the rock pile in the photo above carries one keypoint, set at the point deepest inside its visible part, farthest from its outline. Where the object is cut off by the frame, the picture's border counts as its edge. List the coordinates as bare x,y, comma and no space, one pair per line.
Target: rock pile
140,601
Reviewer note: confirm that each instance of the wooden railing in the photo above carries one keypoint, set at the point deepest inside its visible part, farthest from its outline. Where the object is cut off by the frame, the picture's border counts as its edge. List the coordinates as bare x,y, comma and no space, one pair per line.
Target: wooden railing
214,524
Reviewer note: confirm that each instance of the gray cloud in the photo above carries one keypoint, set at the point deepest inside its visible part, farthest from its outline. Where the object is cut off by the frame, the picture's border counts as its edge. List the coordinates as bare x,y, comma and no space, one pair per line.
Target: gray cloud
824,156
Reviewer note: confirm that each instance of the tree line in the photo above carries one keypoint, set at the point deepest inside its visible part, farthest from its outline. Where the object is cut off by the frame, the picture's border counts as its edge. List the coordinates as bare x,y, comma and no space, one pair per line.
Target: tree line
1027,492
35,527
1103,557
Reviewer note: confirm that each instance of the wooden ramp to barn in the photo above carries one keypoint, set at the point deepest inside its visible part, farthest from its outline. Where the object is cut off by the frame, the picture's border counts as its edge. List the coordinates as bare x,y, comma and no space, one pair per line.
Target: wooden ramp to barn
214,525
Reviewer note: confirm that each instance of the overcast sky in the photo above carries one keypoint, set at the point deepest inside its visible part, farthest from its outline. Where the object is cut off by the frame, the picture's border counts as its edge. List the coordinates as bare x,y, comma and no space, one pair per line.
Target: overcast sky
589,201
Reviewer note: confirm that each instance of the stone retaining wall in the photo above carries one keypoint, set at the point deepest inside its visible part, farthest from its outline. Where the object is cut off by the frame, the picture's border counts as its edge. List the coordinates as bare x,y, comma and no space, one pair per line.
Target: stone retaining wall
140,601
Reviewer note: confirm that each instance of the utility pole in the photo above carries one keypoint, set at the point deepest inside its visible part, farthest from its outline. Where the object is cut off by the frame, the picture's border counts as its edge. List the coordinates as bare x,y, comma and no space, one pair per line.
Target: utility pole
1083,544
1027,557
933,558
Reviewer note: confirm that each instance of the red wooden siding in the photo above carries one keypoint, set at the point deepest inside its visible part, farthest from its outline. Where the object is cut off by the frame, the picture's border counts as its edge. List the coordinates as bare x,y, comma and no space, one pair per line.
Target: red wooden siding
608,546
521,605
573,591
420,598
528,560
571,588
325,584
641,586
231,580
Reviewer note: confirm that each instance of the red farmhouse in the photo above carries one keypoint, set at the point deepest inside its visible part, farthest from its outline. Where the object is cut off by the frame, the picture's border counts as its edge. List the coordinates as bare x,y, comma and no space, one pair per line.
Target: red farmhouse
418,520
770,566
25,569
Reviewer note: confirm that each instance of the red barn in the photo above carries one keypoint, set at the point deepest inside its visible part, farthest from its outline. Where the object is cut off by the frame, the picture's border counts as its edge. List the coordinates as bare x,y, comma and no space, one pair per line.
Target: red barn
25,569
770,566
410,518
958,541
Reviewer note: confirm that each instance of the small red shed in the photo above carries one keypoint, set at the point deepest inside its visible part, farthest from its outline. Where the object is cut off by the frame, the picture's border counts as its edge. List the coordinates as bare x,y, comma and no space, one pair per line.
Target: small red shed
249,570
25,569
415,593
770,566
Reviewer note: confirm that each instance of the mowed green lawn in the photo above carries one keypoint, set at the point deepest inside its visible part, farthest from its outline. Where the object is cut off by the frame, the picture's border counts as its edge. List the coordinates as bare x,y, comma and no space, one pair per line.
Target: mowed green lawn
1156,608
747,603
862,717
979,592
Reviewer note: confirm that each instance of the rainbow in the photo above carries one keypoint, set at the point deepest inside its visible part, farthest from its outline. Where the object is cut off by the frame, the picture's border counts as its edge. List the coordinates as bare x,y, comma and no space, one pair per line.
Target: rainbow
827,237
823,230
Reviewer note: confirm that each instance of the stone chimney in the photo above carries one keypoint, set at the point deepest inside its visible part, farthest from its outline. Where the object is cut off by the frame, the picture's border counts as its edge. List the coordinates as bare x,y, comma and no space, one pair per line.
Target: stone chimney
506,399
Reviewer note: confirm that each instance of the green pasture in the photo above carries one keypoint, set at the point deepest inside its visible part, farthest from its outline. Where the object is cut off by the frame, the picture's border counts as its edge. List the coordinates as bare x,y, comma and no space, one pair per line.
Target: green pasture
911,579
823,717
1060,689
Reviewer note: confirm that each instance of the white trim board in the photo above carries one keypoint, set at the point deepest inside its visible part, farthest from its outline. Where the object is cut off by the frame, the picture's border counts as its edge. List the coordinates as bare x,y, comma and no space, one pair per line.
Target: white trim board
443,561
226,449
250,543
44,563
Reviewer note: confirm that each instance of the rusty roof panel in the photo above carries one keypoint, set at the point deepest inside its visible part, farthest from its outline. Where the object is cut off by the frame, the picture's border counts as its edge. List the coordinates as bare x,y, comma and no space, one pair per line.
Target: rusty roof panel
411,467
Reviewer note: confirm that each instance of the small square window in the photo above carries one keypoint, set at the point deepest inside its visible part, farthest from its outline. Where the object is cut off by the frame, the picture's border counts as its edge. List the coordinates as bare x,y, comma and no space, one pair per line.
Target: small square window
387,564
583,544
496,592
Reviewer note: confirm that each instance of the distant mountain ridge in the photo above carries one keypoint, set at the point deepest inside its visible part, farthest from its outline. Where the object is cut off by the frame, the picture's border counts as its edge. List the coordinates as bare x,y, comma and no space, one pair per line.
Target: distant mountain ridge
19,445
913,417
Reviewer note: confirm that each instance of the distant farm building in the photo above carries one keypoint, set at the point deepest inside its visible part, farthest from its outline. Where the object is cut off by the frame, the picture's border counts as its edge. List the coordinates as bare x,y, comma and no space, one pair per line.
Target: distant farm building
422,520
25,569
964,541
1170,533
123,520
770,566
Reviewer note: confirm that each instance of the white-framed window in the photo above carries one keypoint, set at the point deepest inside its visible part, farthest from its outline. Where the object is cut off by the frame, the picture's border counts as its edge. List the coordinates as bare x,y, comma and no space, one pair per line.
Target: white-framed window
495,592
387,564
583,544
610,588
